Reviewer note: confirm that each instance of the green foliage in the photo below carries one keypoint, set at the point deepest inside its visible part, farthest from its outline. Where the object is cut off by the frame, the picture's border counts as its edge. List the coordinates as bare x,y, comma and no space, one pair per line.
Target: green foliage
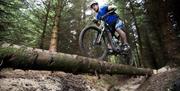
22,21
72,22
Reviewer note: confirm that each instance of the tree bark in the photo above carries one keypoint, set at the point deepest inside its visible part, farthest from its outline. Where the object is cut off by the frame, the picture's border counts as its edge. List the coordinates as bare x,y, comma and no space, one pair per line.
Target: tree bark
176,59
55,30
37,59
166,27
139,53
41,45
135,23
163,44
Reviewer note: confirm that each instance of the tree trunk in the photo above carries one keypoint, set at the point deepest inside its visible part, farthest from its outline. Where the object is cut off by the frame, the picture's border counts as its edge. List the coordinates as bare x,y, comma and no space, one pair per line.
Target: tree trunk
153,52
162,39
166,28
37,59
139,53
41,45
177,59
55,30
135,23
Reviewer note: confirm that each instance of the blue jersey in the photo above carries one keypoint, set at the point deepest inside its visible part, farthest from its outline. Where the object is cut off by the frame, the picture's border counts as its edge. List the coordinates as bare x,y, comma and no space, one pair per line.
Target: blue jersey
109,19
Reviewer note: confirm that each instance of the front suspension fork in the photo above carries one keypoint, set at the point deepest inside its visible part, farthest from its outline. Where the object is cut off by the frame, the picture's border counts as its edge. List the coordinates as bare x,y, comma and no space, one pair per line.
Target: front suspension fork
98,37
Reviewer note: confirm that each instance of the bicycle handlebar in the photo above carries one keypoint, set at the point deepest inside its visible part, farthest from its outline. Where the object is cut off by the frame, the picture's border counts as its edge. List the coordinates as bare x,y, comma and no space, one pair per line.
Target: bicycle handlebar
111,11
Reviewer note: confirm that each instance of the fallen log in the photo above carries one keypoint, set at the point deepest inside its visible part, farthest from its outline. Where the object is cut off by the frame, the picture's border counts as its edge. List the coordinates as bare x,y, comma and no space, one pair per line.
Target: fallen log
22,57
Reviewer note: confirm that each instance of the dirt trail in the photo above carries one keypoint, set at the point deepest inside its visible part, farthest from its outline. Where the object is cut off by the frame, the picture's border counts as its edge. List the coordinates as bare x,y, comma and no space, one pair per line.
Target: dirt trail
19,80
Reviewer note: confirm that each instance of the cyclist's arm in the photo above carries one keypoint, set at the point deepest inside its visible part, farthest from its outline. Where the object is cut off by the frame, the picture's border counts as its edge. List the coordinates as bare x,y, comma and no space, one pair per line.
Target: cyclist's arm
96,22
112,7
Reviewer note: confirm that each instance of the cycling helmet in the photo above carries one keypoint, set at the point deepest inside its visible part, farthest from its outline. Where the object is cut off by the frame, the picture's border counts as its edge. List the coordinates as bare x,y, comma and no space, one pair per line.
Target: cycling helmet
93,3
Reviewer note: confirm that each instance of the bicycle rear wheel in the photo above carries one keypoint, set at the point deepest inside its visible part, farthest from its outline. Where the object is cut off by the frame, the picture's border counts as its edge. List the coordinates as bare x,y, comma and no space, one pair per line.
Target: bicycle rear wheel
88,45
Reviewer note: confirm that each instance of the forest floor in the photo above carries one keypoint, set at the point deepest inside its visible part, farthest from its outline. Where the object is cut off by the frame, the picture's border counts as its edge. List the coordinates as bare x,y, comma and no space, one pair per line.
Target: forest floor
29,80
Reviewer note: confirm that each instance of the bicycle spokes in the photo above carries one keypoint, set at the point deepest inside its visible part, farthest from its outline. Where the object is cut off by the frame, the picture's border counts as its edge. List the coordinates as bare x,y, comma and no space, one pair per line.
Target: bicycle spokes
91,44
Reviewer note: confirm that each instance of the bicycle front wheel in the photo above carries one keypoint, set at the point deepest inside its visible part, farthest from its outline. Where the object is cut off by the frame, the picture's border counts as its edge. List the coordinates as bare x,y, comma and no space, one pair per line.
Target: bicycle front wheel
88,45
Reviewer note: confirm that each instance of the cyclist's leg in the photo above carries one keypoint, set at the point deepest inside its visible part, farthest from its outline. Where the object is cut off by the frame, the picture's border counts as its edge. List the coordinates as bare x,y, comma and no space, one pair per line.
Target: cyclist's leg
119,28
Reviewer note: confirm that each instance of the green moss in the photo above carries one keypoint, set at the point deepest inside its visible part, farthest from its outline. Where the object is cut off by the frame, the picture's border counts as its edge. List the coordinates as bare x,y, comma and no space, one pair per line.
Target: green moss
20,55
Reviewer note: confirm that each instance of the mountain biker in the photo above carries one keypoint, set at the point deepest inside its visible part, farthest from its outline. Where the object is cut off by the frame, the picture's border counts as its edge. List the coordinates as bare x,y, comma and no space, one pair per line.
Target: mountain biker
111,19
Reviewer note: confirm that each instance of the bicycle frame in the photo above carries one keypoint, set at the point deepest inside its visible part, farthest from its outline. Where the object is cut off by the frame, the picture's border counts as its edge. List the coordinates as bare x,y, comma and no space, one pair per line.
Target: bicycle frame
105,30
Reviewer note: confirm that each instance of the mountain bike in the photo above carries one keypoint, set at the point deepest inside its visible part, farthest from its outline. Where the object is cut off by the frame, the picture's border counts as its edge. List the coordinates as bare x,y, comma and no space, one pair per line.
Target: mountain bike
94,41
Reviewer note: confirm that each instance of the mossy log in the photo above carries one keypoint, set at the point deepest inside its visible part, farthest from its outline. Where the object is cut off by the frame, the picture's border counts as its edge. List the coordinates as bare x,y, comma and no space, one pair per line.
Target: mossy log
22,57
